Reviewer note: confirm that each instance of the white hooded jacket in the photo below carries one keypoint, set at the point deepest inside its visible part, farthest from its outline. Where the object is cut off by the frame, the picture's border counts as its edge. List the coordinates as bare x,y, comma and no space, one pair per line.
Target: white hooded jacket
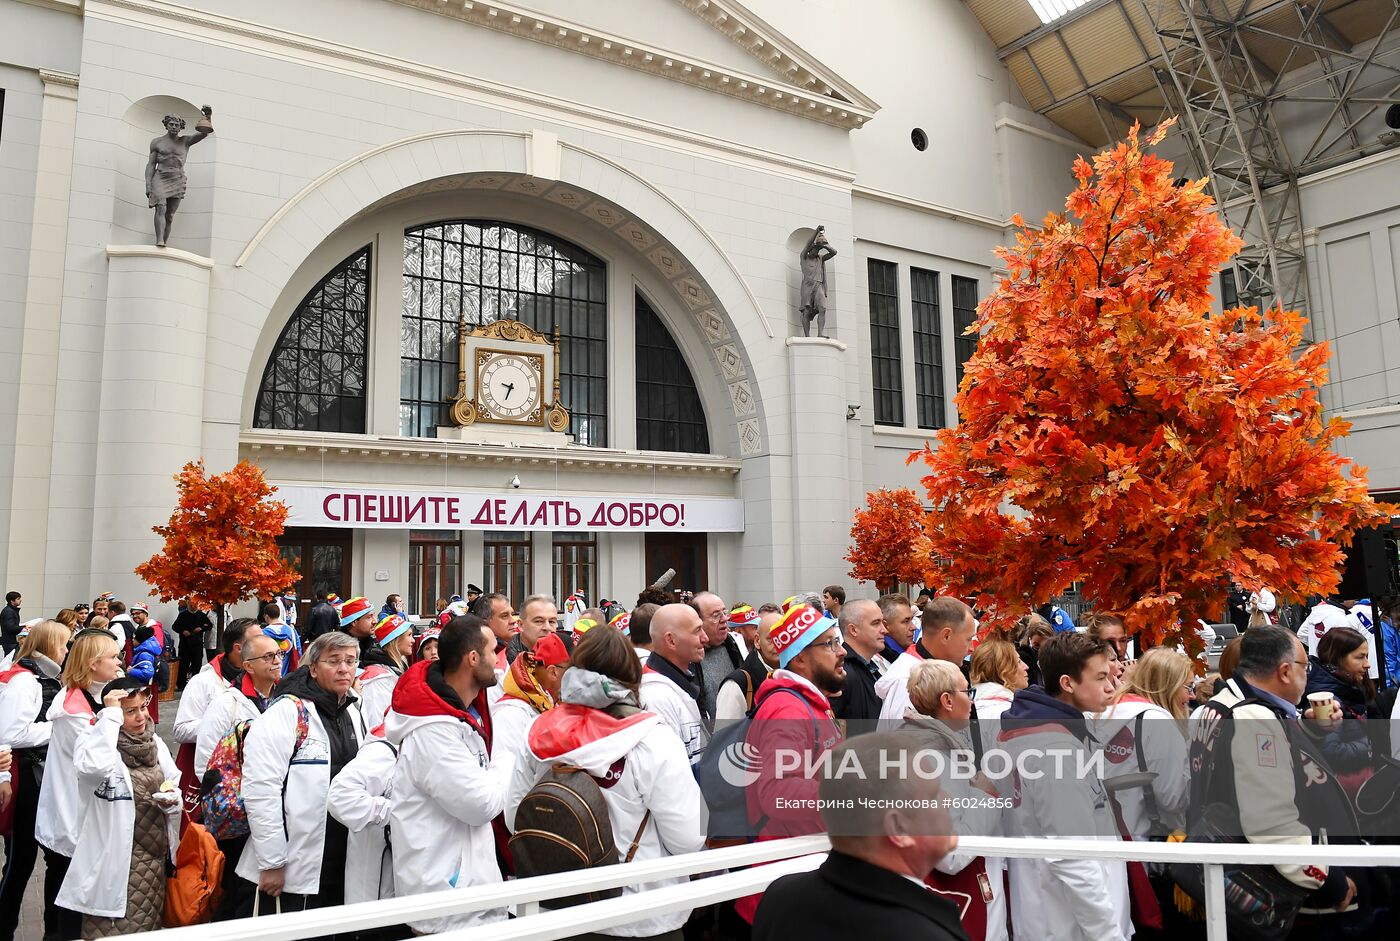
641,767
447,789
893,688
97,880
60,808
359,798
678,709
199,693
1164,751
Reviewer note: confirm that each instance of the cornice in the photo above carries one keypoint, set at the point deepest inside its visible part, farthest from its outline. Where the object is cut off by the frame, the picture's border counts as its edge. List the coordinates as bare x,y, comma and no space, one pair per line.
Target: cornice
818,100
63,6
260,441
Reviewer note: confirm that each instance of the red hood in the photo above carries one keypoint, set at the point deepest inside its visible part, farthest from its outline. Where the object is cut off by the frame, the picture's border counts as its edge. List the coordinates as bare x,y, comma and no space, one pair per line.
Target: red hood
414,696
568,727
819,703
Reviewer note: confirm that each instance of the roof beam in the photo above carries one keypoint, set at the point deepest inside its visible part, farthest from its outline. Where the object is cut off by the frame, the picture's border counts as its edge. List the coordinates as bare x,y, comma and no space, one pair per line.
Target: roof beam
1054,26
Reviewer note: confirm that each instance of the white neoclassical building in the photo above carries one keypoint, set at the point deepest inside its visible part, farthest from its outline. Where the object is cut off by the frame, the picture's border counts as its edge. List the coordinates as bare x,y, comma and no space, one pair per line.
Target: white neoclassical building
640,175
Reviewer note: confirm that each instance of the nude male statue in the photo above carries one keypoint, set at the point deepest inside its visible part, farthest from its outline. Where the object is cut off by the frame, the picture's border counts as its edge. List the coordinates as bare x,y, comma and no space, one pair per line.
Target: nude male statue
165,170
813,300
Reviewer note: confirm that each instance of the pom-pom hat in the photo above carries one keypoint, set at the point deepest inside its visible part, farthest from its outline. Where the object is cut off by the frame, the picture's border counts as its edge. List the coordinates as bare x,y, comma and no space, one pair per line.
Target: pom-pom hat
797,630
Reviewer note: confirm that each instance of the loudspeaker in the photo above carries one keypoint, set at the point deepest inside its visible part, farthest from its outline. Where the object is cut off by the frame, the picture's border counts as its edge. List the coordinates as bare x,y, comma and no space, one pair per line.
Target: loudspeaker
1370,569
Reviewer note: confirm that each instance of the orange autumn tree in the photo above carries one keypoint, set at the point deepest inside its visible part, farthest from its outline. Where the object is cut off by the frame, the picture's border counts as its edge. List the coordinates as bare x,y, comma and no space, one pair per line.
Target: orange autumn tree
1116,434
221,541
888,543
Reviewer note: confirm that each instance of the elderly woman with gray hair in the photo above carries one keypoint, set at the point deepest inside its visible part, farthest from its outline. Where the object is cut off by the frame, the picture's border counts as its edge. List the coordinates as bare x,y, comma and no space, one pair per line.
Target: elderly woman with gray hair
313,728
940,712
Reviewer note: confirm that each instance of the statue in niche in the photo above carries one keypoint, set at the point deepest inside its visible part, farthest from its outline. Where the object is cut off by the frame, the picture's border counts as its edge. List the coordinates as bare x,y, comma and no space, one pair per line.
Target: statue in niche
813,299
165,170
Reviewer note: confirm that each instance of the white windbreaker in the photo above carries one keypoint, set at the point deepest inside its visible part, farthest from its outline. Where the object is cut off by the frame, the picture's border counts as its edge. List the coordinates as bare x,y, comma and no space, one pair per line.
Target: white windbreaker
677,709
20,725
893,688
285,794
60,808
376,690
448,786
654,777
199,692
510,722
1164,750
228,708
1075,899
359,798
96,882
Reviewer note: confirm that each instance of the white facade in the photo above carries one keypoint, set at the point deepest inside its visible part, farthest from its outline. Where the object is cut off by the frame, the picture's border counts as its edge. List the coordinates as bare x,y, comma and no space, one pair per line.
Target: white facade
689,144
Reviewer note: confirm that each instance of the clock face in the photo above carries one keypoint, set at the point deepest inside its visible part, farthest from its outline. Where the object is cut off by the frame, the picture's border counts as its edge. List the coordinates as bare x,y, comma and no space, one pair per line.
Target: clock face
508,385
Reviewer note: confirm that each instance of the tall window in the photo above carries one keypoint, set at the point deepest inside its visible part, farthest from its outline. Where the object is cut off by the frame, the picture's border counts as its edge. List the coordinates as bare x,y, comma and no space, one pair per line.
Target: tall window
576,565
315,377
964,316
490,271
669,414
434,568
928,347
507,566
884,343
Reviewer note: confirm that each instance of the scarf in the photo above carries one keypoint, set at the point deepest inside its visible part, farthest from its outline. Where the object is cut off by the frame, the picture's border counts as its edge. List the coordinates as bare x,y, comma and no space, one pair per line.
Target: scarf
138,753
520,683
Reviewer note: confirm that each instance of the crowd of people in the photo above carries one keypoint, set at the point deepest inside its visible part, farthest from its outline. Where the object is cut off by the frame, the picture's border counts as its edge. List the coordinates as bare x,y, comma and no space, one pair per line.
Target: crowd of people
363,756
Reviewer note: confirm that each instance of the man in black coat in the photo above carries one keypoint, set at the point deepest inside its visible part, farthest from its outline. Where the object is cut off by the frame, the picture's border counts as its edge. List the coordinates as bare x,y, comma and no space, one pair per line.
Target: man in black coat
862,626
321,620
871,884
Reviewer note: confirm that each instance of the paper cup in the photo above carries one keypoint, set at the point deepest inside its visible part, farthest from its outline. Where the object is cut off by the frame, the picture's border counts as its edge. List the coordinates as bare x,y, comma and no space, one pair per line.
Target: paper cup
1322,706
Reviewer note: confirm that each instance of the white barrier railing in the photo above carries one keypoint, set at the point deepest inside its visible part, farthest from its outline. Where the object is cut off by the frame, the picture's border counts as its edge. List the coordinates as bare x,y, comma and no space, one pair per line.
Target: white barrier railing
785,856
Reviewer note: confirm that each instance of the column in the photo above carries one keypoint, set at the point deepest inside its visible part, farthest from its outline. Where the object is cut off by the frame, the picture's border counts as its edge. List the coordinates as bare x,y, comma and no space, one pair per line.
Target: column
38,375
151,417
820,498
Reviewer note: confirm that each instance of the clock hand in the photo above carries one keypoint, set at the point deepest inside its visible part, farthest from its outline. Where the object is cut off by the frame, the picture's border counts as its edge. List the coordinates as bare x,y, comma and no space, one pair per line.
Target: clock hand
509,387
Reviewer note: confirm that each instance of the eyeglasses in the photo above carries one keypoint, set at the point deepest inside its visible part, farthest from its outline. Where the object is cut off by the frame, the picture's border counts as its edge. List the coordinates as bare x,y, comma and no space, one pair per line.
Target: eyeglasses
337,664
832,645
275,655
1305,664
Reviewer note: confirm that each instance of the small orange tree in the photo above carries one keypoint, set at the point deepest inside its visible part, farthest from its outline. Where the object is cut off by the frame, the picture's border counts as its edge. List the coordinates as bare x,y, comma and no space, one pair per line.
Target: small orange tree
888,543
221,541
1114,433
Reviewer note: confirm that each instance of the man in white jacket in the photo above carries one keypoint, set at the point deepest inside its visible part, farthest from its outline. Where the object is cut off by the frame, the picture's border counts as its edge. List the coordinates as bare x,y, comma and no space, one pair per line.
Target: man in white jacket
447,785
1057,794
669,685
947,635
218,674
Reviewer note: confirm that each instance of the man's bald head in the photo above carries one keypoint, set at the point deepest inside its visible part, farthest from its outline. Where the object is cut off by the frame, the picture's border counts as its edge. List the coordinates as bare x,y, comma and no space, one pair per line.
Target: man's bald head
678,635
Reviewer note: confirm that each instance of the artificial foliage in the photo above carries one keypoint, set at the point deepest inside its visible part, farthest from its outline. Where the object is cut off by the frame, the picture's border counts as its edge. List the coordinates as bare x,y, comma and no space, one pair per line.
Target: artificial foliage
1114,433
221,541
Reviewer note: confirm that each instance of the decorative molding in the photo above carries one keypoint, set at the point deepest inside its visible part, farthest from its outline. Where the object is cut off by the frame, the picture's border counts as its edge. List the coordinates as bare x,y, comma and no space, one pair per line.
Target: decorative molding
1374,412
947,212
1043,134
776,52
59,84
256,39
815,99
63,6
165,254
817,341
314,445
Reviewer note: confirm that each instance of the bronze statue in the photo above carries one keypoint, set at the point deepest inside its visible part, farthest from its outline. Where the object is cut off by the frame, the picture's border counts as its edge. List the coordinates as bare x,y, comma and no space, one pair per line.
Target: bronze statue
813,300
165,170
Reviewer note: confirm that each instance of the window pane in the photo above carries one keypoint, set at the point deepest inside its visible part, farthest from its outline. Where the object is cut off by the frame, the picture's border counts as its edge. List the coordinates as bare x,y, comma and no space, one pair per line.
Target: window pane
884,343
670,416
964,316
316,372
928,349
516,273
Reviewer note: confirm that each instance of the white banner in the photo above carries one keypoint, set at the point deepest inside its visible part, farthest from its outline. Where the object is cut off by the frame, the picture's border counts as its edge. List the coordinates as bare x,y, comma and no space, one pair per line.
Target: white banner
355,508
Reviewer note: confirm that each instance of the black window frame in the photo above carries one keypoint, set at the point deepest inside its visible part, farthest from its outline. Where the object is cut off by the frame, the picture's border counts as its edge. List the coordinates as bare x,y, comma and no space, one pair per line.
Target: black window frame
887,380
930,401
964,316
665,389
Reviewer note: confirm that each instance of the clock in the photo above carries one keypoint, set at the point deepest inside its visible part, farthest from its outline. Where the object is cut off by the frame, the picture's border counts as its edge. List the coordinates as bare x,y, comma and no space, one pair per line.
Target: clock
509,386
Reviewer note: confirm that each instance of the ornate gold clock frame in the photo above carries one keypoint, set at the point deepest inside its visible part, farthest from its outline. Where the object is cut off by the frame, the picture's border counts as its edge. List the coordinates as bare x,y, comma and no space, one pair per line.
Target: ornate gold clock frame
511,339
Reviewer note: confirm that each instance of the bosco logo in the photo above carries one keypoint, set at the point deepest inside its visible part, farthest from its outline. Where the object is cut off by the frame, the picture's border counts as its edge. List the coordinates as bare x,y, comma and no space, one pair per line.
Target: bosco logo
805,617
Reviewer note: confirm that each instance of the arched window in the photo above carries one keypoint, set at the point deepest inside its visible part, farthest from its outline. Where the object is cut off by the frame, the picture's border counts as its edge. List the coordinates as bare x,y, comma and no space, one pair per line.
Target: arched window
490,271
315,377
669,414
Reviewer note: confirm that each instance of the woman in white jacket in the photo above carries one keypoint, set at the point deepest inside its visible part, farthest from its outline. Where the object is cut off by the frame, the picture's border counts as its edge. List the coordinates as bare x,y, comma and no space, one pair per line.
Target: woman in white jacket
313,729
127,781
384,662
997,672
94,660
359,799
652,798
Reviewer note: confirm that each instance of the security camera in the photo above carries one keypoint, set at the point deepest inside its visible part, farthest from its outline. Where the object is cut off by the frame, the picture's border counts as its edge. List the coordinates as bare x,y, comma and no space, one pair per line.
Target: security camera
515,482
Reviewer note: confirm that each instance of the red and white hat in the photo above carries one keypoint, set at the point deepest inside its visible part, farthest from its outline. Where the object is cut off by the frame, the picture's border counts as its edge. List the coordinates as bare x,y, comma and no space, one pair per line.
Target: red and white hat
354,609
795,632
431,633
744,615
622,621
391,627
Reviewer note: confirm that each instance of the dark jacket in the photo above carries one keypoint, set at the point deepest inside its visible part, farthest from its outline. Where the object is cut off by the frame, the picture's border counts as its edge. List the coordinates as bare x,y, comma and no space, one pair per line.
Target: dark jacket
321,620
858,702
849,898
1347,747
1031,658
189,623
750,676
9,627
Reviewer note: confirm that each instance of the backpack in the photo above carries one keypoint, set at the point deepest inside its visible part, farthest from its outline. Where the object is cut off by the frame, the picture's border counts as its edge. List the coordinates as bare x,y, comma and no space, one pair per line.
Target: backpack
563,825
221,791
727,769
192,894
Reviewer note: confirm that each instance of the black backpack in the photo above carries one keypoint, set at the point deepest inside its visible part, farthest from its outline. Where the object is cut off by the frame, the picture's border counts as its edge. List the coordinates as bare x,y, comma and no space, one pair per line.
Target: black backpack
563,825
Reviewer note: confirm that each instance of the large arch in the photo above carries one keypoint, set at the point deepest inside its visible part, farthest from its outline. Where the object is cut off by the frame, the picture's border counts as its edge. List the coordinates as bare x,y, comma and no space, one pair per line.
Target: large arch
685,259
